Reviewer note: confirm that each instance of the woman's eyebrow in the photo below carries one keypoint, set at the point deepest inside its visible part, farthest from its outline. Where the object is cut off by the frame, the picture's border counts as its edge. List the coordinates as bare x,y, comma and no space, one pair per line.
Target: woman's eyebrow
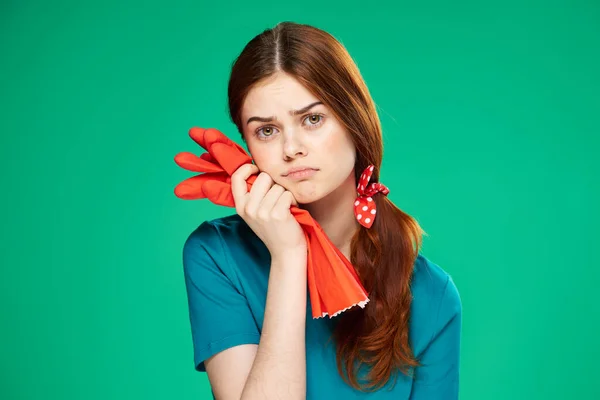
292,112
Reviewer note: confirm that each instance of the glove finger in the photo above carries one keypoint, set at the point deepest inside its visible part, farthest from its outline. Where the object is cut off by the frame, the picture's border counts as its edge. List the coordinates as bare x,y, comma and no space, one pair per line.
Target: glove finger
192,188
219,193
191,162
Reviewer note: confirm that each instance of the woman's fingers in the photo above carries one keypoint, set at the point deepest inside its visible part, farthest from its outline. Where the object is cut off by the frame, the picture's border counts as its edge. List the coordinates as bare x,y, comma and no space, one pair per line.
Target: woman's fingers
266,210
294,201
265,200
282,205
239,188
259,189
269,201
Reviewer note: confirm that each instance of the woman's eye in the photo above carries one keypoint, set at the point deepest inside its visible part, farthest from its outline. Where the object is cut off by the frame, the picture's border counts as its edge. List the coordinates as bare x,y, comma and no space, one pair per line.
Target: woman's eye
267,131
264,132
314,119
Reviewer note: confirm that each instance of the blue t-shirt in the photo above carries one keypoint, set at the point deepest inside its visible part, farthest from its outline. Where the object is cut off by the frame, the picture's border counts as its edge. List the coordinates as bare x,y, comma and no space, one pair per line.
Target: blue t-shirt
226,275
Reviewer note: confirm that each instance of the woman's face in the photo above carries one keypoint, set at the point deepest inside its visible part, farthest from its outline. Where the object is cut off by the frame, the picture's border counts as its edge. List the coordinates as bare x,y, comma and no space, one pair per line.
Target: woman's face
279,139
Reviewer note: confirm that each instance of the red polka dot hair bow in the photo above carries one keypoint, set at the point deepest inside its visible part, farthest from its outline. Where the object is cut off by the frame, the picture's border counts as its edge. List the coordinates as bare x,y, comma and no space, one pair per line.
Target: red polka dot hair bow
364,206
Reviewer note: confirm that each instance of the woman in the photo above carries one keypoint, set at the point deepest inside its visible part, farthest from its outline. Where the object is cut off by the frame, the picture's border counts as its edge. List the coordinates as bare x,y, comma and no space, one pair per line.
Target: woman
303,109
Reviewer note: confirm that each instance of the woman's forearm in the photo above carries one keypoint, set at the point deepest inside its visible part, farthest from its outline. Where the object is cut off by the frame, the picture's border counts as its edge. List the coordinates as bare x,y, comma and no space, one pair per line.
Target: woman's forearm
279,368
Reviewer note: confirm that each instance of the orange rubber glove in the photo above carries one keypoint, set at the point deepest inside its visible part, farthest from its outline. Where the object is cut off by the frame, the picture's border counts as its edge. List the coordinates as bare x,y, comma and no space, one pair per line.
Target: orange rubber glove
333,283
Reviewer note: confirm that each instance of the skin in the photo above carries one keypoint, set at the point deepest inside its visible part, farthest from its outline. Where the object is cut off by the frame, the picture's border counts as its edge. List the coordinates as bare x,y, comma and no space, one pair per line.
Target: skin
276,367
315,138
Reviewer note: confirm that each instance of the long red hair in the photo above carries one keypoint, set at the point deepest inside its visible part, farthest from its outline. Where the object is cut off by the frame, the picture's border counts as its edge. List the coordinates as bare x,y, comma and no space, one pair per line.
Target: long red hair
378,335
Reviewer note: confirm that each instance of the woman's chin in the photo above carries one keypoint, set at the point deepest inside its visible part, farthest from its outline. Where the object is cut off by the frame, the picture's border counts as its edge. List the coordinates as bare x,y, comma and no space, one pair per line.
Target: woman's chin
304,197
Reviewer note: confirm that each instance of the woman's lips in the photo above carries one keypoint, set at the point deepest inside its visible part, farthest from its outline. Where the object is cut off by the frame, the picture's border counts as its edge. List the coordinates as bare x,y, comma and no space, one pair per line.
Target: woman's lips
305,173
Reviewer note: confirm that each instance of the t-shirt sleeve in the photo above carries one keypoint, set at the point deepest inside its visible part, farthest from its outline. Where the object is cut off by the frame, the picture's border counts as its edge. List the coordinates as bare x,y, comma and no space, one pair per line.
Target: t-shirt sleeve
220,316
438,376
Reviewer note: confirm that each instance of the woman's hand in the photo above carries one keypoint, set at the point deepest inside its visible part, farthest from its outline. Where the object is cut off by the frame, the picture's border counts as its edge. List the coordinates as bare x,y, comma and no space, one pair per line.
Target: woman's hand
266,209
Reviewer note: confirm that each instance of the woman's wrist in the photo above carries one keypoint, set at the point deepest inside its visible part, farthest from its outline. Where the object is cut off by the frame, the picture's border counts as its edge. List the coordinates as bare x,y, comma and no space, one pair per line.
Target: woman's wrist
290,254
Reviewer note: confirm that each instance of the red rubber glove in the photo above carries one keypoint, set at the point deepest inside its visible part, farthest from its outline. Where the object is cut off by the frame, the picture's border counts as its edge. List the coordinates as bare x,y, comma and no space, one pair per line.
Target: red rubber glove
333,283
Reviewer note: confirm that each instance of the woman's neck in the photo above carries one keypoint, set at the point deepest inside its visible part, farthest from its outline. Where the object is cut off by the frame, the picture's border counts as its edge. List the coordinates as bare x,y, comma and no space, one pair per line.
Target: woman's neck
335,214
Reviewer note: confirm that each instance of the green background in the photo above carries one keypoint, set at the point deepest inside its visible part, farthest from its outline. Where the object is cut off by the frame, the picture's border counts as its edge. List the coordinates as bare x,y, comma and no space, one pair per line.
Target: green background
491,122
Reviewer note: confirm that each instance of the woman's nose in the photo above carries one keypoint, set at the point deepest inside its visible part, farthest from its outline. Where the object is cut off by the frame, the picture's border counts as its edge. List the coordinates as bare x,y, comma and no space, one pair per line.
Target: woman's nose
293,146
